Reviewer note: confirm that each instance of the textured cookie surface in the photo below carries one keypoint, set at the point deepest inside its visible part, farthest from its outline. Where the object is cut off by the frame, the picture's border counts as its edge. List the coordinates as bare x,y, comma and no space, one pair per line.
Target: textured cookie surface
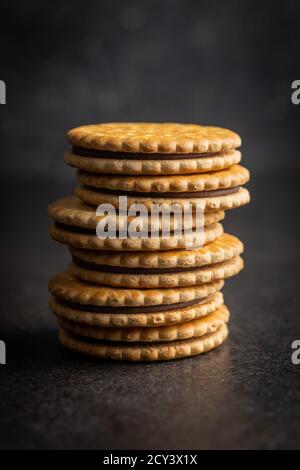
127,166
150,319
154,138
161,351
190,329
229,201
189,277
92,242
66,287
234,176
226,246
72,211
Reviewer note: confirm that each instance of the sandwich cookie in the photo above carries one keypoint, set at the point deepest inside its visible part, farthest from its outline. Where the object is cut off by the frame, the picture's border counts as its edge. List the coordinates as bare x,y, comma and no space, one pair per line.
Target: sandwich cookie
214,190
185,277
217,260
223,248
134,319
152,149
83,238
77,293
157,351
151,279
71,211
189,329
149,186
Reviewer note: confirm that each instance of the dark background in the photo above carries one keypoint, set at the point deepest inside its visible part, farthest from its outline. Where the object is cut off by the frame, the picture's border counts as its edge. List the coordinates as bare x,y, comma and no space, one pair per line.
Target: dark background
227,63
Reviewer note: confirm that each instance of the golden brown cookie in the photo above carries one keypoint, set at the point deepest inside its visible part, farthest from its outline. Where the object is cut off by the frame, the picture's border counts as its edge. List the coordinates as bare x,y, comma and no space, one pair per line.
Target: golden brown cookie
148,148
82,239
72,211
237,198
147,279
150,186
72,290
161,351
225,247
148,319
154,137
147,165
186,330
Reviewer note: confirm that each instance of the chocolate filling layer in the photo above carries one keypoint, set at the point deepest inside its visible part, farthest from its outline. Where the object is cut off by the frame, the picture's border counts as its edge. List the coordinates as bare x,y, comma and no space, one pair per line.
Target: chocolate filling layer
127,270
171,195
129,310
140,156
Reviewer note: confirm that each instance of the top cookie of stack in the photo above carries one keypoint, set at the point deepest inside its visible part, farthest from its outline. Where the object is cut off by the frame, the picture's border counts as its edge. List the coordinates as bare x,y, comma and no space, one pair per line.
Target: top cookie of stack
152,149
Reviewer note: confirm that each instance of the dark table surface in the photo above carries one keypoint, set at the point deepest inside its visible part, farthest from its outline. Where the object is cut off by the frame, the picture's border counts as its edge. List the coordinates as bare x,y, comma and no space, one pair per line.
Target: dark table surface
244,395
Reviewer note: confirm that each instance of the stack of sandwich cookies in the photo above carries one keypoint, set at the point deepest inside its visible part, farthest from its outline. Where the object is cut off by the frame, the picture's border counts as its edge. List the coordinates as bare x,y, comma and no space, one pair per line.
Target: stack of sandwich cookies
144,298
71,297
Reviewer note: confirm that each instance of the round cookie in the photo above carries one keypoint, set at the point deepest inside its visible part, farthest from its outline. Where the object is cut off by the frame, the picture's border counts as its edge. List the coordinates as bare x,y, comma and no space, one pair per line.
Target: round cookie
149,319
148,148
237,198
148,165
72,211
83,239
161,351
186,330
198,189
167,186
148,137
190,276
103,298
225,247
